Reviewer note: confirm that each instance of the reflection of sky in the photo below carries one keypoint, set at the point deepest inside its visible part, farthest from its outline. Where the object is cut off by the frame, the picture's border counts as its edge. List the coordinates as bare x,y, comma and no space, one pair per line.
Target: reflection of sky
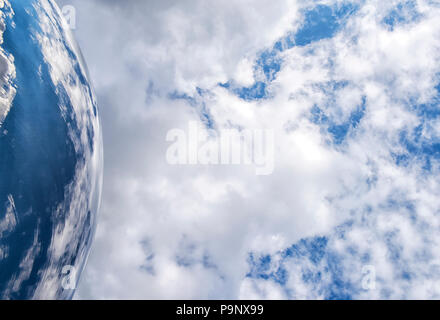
43,163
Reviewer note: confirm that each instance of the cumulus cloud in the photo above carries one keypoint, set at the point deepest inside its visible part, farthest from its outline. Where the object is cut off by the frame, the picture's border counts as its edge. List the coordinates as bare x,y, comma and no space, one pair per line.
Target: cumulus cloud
354,183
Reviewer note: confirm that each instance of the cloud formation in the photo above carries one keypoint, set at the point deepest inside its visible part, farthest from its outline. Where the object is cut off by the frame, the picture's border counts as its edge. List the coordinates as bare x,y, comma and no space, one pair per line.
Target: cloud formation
351,92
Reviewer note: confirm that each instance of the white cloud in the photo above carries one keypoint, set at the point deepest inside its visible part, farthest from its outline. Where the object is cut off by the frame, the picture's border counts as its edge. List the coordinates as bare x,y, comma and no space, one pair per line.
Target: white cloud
186,232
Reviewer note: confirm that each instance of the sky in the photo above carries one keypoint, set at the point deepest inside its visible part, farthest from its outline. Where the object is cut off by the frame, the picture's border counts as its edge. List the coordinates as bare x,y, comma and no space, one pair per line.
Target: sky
350,90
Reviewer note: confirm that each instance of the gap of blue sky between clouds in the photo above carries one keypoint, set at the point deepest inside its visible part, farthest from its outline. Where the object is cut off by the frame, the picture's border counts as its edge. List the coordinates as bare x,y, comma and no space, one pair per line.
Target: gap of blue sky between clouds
319,265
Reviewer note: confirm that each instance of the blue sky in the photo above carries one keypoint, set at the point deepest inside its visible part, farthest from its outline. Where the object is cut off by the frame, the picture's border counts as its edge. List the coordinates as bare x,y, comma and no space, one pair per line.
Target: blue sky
322,22
416,149
351,89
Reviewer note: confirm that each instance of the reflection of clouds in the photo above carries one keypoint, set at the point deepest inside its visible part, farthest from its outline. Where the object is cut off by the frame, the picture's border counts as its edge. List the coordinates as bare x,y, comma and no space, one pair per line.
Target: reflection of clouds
75,217
72,222
7,68
8,223
26,266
